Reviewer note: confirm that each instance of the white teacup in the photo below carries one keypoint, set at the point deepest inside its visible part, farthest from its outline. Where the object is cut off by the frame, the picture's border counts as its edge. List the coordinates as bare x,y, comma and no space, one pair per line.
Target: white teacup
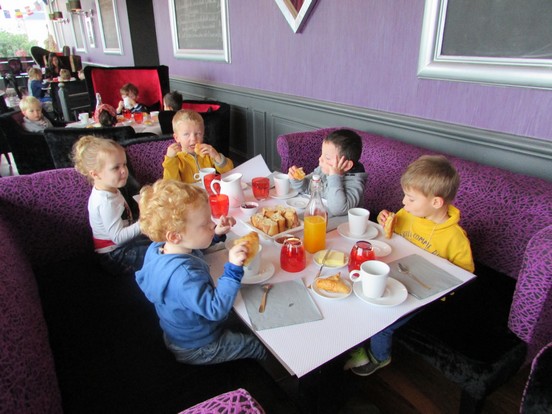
203,172
254,267
83,117
358,221
281,183
373,275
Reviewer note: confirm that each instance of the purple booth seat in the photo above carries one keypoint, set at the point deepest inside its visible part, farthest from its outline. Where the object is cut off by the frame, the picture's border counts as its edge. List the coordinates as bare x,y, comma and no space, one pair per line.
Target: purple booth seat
234,402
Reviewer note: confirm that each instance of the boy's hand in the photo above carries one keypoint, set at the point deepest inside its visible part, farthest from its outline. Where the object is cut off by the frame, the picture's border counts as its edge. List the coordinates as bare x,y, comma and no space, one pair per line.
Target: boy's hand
173,149
120,107
238,254
224,225
339,167
292,172
207,149
382,217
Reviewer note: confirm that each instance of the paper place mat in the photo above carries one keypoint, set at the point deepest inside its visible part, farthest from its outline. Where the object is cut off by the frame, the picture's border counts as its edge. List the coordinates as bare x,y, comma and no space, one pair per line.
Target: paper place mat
434,277
288,303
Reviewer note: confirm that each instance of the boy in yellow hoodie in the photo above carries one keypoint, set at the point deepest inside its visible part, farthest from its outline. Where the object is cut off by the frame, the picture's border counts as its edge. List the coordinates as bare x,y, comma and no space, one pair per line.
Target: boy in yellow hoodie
189,154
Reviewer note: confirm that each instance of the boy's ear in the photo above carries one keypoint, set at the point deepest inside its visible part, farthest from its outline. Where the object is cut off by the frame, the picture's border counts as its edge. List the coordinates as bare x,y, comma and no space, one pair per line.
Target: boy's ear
348,165
173,237
437,202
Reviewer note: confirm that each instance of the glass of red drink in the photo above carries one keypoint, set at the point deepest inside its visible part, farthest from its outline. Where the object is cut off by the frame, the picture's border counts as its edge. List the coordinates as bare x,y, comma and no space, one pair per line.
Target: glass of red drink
260,186
220,205
127,114
293,257
138,117
361,252
207,183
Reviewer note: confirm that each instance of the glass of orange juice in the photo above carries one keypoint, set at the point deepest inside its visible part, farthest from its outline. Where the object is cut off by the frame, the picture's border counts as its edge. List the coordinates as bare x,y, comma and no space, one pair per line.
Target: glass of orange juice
315,233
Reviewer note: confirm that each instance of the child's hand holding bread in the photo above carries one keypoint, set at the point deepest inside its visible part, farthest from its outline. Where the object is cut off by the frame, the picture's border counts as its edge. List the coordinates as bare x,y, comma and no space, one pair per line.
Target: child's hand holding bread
296,173
387,220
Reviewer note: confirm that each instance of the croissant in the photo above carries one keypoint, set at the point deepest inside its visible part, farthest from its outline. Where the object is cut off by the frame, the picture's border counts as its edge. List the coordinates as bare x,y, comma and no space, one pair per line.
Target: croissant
333,284
252,242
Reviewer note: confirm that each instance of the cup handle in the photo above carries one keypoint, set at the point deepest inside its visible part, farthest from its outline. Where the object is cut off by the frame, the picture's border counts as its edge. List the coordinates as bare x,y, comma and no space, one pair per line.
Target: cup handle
354,275
197,176
213,186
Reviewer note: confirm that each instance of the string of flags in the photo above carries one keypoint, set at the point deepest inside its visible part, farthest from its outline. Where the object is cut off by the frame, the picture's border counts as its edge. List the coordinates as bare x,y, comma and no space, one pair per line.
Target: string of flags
27,10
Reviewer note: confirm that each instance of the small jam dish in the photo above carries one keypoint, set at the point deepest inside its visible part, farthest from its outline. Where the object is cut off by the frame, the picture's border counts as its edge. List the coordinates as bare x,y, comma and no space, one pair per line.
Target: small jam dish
281,238
249,208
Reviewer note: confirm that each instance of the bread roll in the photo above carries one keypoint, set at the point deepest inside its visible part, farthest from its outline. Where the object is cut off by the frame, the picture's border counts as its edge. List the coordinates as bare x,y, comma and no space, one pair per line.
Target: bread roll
388,226
252,242
299,174
197,148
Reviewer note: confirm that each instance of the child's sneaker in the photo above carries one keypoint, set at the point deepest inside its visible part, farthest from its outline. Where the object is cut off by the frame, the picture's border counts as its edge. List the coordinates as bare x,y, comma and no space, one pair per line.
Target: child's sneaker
359,357
372,366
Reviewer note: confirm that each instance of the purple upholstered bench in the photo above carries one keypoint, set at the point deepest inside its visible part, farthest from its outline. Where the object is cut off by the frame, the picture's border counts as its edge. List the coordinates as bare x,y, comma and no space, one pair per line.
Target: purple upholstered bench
508,218
234,402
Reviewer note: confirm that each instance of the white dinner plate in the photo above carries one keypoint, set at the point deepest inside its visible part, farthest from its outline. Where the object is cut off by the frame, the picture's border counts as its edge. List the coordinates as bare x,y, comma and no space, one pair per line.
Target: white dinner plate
318,256
266,272
298,203
332,295
381,249
371,232
395,294
292,193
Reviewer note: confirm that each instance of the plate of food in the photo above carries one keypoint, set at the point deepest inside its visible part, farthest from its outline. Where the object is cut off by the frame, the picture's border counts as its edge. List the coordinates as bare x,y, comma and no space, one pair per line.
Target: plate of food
332,287
335,259
272,222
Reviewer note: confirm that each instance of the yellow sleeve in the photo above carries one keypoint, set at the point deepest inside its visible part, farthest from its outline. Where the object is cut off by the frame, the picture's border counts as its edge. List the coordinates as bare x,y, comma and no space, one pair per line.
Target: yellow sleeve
229,165
170,168
459,253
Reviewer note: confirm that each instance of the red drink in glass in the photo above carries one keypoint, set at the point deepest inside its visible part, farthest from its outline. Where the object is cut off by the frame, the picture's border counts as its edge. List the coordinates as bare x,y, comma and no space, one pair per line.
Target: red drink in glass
138,117
207,183
260,186
127,114
220,205
292,256
361,252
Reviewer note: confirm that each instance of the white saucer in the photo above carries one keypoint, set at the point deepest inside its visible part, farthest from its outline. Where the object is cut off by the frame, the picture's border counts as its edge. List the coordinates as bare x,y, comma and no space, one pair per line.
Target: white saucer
318,256
298,203
331,295
266,272
371,232
381,249
395,294
292,193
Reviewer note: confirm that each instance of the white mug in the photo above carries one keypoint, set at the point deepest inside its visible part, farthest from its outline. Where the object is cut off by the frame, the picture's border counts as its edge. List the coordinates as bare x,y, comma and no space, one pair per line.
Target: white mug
281,183
83,117
254,267
358,221
373,275
198,176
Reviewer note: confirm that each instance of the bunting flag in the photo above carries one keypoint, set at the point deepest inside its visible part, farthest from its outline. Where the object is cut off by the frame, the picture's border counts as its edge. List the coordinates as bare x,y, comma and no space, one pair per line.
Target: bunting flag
28,10
37,5
7,14
18,14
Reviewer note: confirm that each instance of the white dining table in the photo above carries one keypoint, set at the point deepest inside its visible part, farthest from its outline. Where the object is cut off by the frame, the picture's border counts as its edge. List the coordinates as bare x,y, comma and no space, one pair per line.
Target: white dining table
150,127
346,322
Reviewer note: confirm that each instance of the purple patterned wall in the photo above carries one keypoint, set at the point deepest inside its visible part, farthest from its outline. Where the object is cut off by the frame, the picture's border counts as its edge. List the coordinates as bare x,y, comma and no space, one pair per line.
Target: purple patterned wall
359,52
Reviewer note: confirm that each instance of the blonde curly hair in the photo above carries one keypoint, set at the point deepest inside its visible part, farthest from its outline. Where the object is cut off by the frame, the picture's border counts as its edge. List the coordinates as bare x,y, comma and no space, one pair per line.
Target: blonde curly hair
164,204
89,154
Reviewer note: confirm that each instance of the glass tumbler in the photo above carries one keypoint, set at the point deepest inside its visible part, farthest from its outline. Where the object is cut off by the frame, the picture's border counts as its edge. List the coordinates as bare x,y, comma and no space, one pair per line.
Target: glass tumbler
292,256
261,187
361,252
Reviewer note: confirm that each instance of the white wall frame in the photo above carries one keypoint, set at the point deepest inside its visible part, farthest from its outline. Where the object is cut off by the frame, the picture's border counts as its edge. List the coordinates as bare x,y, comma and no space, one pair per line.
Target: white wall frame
108,21
296,18
78,33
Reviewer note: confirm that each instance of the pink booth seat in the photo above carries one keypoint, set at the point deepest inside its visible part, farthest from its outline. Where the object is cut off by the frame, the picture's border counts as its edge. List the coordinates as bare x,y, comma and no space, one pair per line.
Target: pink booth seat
152,83
234,402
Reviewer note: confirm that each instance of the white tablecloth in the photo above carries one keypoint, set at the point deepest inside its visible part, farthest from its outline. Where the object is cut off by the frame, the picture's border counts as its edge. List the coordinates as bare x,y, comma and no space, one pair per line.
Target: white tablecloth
347,322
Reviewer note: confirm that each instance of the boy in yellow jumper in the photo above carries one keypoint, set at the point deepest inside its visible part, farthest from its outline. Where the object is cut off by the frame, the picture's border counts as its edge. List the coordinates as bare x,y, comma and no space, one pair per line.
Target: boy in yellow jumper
430,221
188,154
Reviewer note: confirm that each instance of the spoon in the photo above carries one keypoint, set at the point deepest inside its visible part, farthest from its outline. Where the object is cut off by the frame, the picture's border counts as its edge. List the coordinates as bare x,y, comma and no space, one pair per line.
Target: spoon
266,288
404,269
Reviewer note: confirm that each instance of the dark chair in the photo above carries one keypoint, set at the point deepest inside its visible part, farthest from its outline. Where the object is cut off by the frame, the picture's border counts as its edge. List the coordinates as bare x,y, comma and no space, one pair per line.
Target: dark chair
216,117
537,396
60,140
29,149
40,55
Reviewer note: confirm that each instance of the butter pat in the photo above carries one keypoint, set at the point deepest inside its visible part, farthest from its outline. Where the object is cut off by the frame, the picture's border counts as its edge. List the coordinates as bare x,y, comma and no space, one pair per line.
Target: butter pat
335,259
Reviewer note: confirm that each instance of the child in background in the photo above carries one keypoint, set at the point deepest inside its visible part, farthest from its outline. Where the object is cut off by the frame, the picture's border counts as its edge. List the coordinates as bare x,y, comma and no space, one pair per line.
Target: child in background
188,154
342,175
33,119
176,278
64,75
172,101
105,115
117,238
430,221
35,83
129,95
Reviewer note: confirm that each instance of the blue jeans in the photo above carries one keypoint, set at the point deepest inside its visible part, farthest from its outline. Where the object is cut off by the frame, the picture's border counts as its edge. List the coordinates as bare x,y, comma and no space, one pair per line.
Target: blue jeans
230,346
382,342
126,258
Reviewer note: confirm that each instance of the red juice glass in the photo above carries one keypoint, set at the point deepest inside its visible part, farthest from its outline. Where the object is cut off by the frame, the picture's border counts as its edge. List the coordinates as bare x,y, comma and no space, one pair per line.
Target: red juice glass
127,114
292,256
361,252
207,183
138,117
260,186
220,204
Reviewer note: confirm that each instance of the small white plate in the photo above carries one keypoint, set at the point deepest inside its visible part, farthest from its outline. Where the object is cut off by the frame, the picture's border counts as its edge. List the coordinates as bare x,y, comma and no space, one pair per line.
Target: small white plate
318,256
371,232
395,294
292,193
266,272
331,295
381,249
298,203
